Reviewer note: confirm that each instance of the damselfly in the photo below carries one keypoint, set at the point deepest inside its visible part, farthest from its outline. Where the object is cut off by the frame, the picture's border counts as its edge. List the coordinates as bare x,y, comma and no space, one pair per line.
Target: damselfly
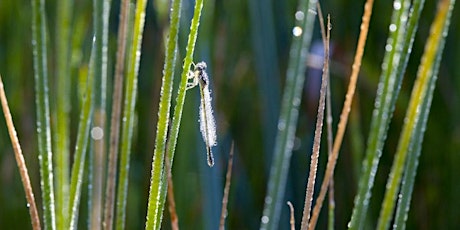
207,122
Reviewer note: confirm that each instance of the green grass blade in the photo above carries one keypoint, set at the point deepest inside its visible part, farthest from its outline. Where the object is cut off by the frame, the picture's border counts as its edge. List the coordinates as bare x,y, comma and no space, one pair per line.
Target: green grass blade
288,118
81,145
386,212
158,186
62,113
393,66
419,107
129,103
39,43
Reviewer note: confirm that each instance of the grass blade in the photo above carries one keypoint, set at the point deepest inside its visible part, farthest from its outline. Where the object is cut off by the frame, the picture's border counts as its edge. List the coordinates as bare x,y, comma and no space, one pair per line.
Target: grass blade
20,161
319,124
39,43
171,200
419,106
81,144
62,112
394,63
292,219
386,212
116,112
228,181
332,160
287,122
158,182
134,56
101,10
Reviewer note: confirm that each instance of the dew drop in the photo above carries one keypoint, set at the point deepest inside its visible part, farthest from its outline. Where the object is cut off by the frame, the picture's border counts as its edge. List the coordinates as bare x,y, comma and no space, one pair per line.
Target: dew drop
393,28
97,133
397,5
299,15
281,125
268,200
265,219
297,31
296,102
388,47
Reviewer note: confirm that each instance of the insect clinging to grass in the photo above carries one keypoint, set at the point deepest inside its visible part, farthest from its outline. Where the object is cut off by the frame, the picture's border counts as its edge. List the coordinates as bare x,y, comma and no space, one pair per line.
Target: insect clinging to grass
207,122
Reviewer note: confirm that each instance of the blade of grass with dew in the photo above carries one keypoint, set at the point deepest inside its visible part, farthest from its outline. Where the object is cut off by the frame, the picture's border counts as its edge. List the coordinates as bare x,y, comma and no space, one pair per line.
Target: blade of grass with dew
101,10
287,122
426,82
330,138
134,56
330,141
319,124
158,174
62,112
228,181
81,144
392,188
116,113
332,160
20,160
45,157
158,182
399,45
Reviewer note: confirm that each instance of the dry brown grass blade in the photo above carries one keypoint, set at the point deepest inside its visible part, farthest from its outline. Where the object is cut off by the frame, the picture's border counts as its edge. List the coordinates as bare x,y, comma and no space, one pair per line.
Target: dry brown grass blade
116,114
171,200
291,220
20,160
345,111
228,179
330,138
319,127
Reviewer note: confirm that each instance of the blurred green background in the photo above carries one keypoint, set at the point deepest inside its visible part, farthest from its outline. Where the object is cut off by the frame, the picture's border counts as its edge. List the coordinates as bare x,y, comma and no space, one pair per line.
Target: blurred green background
246,46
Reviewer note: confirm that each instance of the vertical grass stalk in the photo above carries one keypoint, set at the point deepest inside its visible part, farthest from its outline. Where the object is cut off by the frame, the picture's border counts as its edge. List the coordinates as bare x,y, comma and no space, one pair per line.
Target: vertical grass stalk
81,144
420,104
61,114
330,138
134,56
45,157
319,126
116,114
158,180
287,122
101,10
228,181
398,48
332,160
388,204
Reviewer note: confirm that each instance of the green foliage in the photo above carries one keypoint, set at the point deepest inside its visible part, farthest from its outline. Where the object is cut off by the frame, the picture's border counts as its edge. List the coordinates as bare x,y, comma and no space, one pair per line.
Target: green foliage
247,46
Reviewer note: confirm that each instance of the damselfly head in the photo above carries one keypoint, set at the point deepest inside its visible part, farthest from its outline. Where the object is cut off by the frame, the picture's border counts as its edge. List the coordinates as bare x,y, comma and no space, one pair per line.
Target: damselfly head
201,66
200,73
